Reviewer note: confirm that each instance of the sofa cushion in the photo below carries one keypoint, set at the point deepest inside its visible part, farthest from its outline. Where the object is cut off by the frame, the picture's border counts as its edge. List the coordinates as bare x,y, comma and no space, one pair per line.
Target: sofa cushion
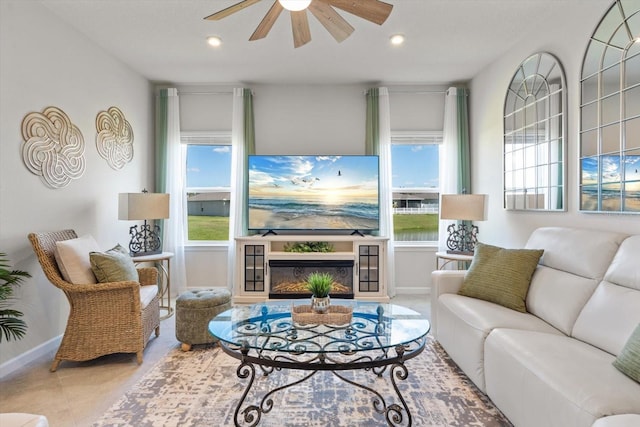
72,257
573,264
609,317
628,361
624,420
560,381
582,252
557,296
625,268
464,323
114,265
501,275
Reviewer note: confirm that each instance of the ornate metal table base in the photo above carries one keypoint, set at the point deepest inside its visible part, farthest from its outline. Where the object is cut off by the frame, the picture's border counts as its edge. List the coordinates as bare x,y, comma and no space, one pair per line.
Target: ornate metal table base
378,362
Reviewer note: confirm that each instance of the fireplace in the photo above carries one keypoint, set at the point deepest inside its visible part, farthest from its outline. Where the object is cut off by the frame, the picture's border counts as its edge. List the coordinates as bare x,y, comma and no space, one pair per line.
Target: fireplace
288,277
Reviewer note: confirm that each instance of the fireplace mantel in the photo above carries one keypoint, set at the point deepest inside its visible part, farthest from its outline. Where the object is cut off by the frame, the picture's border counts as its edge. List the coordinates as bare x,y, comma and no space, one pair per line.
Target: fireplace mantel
366,255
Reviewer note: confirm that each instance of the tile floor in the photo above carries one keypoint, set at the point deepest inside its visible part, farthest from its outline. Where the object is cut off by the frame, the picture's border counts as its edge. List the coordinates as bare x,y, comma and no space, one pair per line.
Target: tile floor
79,393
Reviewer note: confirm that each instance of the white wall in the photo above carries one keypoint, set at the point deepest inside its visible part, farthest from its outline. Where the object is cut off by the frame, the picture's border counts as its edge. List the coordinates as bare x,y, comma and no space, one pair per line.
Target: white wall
43,62
488,88
312,119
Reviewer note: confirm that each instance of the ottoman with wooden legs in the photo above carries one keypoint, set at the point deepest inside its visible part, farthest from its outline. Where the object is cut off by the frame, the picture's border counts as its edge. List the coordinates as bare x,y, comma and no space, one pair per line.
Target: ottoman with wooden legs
194,309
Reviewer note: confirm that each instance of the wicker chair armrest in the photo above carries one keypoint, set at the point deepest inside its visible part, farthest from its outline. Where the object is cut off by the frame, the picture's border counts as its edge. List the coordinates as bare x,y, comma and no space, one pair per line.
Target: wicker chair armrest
100,287
148,276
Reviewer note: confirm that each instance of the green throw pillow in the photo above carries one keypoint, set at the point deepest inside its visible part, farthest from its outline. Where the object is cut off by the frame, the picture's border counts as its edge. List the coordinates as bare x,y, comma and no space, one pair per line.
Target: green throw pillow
501,275
628,361
114,265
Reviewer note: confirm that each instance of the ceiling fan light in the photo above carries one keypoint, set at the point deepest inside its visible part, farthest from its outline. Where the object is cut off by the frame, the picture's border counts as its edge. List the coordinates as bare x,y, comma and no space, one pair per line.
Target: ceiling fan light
397,39
295,5
214,41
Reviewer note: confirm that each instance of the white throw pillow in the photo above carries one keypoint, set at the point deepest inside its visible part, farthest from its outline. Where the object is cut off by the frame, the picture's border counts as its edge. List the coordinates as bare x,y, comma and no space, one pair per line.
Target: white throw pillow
72,257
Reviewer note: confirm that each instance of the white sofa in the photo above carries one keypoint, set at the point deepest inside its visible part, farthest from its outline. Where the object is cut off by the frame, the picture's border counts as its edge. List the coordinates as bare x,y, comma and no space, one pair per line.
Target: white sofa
552,366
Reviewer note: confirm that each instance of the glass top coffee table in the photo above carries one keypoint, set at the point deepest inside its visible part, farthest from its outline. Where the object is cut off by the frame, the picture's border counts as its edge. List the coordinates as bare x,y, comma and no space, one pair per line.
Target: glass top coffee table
377,338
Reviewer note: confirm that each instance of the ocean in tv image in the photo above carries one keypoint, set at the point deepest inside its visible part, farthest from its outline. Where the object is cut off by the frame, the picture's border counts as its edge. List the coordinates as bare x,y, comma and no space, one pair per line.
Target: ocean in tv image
313,192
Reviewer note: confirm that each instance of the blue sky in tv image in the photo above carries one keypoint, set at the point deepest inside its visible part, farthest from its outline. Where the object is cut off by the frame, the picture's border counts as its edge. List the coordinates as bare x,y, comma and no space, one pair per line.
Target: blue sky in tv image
413,165
313,192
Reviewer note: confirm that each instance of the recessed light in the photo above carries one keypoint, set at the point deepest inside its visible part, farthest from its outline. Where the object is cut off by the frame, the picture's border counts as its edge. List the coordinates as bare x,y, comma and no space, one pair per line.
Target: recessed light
214,41
397,39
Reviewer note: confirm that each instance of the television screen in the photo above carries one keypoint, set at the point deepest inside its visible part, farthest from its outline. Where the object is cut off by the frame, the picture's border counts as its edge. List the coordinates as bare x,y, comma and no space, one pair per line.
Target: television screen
313,193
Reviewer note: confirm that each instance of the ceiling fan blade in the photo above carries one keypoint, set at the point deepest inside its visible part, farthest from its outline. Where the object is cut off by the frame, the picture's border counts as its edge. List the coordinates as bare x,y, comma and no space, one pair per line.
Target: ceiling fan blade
231,9
267,22
300,27
332,21
372,10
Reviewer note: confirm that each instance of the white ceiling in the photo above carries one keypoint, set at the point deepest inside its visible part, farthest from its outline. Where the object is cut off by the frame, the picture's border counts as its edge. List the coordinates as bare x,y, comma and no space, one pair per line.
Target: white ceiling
447,40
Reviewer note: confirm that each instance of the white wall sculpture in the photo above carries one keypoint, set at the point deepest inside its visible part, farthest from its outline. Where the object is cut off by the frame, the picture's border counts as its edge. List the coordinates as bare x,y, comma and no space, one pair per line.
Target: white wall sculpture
53,147
115,138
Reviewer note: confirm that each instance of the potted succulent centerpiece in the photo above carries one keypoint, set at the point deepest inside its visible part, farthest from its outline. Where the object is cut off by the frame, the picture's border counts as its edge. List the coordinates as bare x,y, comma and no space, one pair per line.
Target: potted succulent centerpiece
320,284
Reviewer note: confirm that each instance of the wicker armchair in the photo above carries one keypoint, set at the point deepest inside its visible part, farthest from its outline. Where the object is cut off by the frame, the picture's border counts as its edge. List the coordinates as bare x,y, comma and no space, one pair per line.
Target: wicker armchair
104,318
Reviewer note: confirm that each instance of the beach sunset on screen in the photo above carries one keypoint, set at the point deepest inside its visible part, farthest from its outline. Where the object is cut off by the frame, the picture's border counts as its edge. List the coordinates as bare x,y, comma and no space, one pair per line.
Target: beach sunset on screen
313,192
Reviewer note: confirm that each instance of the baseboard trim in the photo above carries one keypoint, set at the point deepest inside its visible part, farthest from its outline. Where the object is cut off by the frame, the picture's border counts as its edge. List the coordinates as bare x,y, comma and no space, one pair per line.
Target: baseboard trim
18,362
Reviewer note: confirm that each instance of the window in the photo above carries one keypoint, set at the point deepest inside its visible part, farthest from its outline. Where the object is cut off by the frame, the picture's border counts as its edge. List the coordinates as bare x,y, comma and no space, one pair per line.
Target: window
415,168
208,185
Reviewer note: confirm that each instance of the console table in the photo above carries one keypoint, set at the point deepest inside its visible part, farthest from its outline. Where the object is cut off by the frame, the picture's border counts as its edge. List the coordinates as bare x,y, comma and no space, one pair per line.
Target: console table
257,255
379,338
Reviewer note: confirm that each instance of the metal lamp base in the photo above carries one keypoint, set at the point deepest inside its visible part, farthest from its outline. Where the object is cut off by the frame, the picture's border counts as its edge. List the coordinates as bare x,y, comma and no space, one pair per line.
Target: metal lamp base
462,239
145,241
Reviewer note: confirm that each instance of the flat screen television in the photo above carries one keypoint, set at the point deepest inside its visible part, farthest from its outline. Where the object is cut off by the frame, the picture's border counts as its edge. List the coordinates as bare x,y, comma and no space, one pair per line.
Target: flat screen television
305,193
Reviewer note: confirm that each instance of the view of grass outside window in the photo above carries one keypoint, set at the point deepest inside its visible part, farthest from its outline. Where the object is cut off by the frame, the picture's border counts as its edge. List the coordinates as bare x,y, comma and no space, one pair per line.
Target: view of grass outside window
208,181
415,168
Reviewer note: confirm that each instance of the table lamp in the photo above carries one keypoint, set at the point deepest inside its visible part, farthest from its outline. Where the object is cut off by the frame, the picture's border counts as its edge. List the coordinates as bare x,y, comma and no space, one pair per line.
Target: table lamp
143,206
462,207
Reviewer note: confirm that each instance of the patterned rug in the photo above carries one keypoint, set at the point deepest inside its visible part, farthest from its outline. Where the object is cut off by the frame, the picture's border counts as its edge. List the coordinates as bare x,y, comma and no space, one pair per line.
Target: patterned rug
200,388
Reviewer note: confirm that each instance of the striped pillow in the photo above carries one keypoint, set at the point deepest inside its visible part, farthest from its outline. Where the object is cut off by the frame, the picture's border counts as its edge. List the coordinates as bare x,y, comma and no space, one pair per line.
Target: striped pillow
501,276
628,361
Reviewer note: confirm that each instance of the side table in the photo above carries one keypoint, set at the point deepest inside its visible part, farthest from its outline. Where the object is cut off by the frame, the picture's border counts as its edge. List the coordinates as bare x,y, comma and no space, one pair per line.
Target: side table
164,278
447,258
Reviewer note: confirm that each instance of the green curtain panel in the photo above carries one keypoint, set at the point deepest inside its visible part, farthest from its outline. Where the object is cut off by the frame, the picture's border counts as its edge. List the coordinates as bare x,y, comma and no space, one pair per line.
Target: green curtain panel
161,141
464,167
372,136
249,148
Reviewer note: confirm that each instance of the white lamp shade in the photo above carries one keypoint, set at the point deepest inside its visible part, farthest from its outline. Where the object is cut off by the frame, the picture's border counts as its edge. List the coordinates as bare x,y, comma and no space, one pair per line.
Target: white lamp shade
465,207
140,206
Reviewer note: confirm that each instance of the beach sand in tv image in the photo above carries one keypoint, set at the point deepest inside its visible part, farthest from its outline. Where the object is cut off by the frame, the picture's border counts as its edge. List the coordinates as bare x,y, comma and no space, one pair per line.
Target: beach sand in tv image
313,192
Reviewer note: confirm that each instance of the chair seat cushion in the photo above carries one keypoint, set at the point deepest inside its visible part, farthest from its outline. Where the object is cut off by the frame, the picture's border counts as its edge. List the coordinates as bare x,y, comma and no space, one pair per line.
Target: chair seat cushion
147,294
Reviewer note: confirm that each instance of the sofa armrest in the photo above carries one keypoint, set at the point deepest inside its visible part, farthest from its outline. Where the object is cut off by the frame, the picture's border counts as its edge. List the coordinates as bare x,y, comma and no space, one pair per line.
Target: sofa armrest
446,281
443,282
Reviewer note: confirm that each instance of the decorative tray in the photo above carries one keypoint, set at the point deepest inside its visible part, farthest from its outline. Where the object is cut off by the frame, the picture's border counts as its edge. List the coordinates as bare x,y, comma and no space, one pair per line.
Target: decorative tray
335,315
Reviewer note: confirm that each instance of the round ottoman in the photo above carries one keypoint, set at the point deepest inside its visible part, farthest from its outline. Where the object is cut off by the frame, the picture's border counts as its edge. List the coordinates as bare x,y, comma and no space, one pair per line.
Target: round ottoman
194,310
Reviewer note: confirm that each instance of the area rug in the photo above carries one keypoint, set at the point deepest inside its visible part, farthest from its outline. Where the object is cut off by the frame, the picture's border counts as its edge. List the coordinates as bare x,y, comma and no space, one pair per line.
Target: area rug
200,388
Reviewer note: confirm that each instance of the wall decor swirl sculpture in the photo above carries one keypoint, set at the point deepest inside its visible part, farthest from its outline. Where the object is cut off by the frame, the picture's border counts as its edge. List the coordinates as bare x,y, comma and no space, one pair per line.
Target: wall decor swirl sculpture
53,147
115,138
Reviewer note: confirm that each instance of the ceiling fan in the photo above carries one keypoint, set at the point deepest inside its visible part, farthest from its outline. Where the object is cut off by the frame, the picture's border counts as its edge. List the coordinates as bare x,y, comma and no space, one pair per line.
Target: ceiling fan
372,10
